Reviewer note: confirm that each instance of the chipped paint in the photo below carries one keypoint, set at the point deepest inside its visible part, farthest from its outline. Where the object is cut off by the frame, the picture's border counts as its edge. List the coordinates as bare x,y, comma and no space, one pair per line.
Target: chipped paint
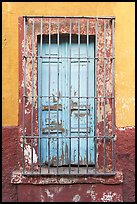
42,198
92,193
110,197
124,64
49,194
76,198
117,179
28,154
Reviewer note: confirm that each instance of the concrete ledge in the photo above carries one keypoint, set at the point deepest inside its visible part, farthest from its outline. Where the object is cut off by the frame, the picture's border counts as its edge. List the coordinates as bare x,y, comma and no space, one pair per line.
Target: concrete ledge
18,178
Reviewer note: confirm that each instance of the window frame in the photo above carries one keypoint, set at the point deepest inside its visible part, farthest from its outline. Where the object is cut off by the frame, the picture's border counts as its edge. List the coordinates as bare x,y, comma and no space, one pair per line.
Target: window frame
22,148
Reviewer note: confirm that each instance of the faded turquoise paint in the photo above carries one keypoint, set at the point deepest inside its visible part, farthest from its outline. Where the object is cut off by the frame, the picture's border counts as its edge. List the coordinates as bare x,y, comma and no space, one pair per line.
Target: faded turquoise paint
64,90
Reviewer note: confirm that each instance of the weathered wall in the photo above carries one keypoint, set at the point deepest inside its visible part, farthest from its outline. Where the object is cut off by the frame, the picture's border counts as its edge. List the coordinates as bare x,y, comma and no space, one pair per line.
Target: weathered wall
124,86
73,193
9,162
124,160
124,51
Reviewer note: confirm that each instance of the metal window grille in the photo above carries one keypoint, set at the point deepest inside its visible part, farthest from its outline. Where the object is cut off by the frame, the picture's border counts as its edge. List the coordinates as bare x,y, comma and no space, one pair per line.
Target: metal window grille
103,95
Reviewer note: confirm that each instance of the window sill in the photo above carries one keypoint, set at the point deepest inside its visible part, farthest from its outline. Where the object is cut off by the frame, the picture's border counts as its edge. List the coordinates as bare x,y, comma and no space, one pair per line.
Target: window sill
18,178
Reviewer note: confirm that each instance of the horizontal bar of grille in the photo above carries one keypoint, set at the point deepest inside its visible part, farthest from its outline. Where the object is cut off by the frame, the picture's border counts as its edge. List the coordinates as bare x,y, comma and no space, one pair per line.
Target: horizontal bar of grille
38,137
72,174
79,58
70,97
93,17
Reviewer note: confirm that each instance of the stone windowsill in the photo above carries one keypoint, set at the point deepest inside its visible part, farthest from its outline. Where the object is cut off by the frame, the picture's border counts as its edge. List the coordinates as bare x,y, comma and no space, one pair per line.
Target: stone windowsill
18,178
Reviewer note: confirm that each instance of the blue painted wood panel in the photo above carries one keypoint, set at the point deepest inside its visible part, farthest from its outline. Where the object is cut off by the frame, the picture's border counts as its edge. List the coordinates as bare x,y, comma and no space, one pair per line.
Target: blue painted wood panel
48,82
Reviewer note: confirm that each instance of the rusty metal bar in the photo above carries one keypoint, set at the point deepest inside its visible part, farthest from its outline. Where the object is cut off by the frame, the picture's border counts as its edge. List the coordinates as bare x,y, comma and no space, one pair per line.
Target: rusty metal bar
49,101
90,17
104,96
78,89
54,57
72,174
98,137
113,21
107,97
32,113
40,131
95,98
24,93
87,91
70,99
58,103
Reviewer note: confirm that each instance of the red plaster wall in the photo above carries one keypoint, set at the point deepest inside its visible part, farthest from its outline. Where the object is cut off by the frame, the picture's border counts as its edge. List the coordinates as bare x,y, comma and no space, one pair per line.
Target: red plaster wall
9,163
124,160
69,193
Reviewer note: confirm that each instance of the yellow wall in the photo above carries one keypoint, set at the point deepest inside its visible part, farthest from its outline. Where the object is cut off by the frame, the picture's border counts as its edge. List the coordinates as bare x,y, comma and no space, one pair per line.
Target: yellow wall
124,50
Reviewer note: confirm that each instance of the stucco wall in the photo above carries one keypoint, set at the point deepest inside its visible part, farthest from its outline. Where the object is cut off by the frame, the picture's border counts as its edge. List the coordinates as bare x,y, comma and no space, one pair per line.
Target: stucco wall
124,51
124,83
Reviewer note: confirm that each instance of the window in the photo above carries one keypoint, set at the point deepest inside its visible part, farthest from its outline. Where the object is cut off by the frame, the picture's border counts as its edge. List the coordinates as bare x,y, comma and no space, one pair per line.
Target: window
67,93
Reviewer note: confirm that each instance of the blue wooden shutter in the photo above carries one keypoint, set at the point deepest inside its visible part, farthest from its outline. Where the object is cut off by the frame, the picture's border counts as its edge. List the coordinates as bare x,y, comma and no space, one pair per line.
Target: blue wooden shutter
63,108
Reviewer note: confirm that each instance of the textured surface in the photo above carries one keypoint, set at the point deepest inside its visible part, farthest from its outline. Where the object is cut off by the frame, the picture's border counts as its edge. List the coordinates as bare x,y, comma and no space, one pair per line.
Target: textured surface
124,160
124,92
9,163
70,193
124,50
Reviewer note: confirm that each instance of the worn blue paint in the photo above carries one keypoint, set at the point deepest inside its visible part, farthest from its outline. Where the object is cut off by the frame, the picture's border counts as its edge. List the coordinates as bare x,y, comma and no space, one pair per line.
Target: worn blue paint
64,87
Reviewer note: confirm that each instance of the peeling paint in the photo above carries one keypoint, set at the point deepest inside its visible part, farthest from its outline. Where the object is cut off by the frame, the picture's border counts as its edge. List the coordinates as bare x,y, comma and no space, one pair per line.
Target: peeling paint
49,194
92,193
42,198
28,154
117,179
110,197
76,198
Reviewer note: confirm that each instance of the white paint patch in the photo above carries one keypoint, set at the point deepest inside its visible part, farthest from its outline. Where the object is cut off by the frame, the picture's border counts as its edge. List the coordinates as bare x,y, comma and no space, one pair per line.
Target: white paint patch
27,111
122,128
115,137
92,194
109,197
42,198
76,198
49,194
125,128
28,154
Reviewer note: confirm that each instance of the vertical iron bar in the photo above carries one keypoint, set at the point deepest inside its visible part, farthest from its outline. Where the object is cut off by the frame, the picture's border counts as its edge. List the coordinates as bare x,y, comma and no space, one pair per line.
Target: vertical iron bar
49,101
40,91
113,94
32,113
104,96
58,103
70,100
87,89
78,88
95,99
24,92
